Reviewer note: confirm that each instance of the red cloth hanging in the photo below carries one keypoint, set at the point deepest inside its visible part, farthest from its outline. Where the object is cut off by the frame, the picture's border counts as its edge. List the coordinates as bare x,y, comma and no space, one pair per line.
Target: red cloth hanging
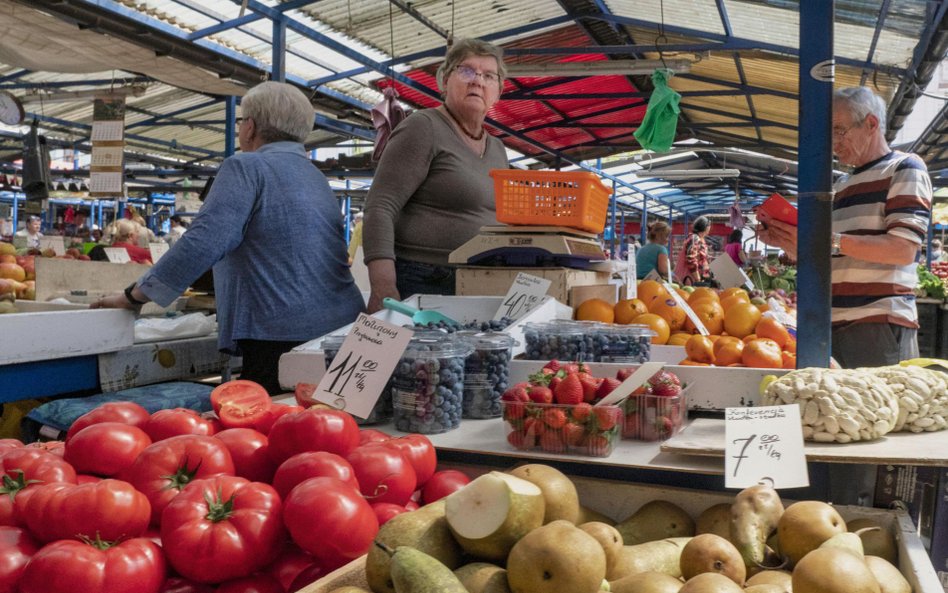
385,117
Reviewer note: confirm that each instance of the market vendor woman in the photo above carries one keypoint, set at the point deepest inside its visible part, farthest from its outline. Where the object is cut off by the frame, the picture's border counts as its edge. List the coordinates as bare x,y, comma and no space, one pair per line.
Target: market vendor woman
432,190
272,230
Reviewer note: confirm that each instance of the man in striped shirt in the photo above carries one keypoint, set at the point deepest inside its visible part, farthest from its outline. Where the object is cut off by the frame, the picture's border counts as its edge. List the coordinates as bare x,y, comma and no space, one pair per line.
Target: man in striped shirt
881,213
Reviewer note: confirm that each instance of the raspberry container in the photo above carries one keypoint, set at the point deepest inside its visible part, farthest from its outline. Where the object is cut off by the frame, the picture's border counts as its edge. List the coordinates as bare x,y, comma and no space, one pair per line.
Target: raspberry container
560,339
563,429
382,410
428,383
486,373
631,344
653,417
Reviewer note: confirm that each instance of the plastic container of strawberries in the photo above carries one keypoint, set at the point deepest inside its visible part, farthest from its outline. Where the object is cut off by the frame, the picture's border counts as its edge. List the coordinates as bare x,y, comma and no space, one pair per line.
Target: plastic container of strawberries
654,417
562,429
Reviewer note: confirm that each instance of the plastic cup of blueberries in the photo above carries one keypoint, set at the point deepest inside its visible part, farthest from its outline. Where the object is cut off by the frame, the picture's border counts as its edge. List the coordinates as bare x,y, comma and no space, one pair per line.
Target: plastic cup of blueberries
622,343
382,410
486,373
428,384
561,339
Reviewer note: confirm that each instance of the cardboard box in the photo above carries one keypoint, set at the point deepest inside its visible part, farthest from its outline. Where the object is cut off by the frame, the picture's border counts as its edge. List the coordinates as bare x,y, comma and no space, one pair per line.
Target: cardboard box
618,500
939,547
488,281
158,362
913,488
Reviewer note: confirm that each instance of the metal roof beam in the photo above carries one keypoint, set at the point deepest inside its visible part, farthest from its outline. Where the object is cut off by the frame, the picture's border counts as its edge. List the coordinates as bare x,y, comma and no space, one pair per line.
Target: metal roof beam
738,63
16,74
246,19
408,9
68,83
344,128
721,112
159,116
742,86
529,95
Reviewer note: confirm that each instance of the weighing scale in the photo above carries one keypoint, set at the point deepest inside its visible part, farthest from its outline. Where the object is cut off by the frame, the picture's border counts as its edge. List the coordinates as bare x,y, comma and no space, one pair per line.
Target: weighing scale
521,246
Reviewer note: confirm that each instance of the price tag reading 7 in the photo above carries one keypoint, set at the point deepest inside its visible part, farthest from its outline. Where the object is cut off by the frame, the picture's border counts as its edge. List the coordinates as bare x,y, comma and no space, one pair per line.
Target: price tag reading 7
361,368
764,443
524,294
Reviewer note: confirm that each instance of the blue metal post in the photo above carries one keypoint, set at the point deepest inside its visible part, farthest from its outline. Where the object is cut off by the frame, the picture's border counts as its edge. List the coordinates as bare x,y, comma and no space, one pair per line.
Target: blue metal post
612,218
230,125
348,214
642,231
279,50
815,184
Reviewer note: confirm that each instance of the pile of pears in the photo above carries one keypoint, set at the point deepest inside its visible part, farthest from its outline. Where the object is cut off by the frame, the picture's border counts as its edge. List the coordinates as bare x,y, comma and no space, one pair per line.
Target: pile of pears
526,532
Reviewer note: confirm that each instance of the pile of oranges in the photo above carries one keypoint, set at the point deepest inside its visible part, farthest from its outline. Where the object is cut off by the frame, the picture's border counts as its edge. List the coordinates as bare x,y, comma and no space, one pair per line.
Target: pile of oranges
740,335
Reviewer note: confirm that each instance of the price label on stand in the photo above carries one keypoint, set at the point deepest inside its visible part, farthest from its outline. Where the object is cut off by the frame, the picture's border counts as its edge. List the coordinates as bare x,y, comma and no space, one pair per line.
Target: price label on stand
524,294
117,255
157,250
764,444
688,310
54,242
361,368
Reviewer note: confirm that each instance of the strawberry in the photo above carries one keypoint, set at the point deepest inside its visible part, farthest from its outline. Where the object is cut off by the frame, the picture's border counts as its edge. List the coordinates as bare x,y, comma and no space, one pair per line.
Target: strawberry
519,440
515,394
573,434
569,391
541,378
623,374
598,445
631,428
607,386
513,411
571,368
590,385
533,427
540,395
551,442
665,384
581,411
553,365
606,417
554,418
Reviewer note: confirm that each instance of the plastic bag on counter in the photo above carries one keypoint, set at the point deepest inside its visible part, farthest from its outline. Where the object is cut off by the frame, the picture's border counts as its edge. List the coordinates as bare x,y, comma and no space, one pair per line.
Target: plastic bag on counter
192,325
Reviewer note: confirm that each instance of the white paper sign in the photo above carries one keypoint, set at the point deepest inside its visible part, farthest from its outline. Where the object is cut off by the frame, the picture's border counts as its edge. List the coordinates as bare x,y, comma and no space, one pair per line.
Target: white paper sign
631,383
365,361
106,182
764,444
728,274
54,242
157,250
111,130
107,156
699,325
117,255
631,276
524,294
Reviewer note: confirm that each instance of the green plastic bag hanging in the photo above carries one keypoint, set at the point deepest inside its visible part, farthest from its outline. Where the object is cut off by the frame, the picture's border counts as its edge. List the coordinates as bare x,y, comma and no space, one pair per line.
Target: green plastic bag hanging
660,123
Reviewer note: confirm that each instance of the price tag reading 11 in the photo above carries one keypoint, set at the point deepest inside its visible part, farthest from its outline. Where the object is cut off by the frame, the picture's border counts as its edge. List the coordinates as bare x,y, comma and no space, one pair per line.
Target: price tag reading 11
525,293
365,361
764,444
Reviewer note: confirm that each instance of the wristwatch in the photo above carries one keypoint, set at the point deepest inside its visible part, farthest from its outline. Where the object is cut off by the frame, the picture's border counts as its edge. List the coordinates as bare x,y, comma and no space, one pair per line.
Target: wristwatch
834,249
131,299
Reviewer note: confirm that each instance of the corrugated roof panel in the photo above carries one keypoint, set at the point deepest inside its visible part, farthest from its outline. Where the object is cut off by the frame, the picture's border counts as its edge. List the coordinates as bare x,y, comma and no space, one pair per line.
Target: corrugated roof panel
694,14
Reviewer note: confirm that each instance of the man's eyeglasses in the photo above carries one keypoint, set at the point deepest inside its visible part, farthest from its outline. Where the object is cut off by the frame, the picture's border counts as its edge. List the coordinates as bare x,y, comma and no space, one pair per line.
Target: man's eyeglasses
840,133
468,74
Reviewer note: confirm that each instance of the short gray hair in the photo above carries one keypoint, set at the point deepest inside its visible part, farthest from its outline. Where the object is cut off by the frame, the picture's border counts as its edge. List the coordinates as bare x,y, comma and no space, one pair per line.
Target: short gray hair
280,112
463,49
861,101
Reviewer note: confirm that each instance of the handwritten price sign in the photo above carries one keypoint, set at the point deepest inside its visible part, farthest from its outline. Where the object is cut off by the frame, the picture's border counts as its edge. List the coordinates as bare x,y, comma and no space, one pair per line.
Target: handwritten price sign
361,368
764,444
525,293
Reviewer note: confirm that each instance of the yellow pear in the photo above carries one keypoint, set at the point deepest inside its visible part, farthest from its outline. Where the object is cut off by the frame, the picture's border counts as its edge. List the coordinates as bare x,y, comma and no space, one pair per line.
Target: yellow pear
805,525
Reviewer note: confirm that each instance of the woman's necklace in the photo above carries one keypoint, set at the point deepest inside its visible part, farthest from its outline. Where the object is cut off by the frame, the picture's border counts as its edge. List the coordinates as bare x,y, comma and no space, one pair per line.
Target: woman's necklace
477,138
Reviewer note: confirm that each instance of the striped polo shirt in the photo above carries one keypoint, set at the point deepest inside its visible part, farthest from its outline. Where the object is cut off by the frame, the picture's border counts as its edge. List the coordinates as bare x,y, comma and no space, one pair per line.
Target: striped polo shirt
890,195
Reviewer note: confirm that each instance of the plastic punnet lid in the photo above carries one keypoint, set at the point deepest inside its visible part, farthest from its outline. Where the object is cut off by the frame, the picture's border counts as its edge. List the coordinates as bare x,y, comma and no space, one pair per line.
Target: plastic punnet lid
489,340
437,345
332,342
560,327
633,330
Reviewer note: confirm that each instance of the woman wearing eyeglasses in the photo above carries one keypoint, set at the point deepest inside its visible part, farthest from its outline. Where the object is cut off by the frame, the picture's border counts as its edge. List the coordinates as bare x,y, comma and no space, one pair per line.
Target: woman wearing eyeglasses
432,190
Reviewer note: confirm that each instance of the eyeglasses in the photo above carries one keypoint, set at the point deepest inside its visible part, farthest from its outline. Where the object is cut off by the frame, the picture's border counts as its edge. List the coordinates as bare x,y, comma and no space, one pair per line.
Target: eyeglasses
468,74
840,133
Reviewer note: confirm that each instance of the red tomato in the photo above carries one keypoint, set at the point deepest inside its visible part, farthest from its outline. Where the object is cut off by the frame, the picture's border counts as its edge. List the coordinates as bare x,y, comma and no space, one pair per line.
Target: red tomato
106,448
315,429
17,546
419,451
265,423
180,585
370,435
124,412
57,448
66,566
289,564
165,467
312,464
442,484
10,444
87,479
248,449
330,520
259,583
222,528
23,468
386,510
384,474
304,394
307,577
165,424
108,509
240,403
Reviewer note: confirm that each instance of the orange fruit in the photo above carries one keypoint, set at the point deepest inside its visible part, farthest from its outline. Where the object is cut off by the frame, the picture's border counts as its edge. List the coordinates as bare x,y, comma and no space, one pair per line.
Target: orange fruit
699,348
749,337
732,291
728,351
628,309
762,353
768,327
678,338
729,301
760,304
791,345
789,360
651,290
684,294
711,315
690,363
595,310
669,310
703,293
656,324
740,319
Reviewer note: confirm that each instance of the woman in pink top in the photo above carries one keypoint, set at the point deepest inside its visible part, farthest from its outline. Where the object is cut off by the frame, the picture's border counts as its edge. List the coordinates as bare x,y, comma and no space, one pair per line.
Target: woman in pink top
733,247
